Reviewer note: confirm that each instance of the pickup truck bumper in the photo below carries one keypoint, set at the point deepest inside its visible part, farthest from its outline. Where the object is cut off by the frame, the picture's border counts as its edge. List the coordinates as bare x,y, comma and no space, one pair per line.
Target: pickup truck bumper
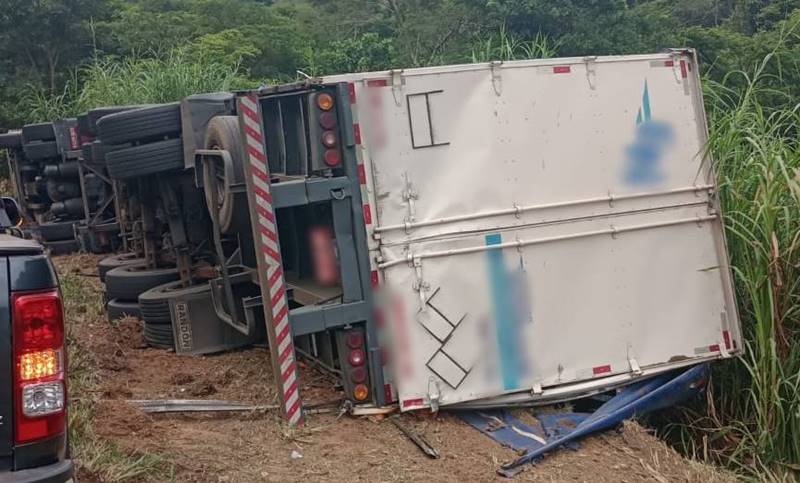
60,472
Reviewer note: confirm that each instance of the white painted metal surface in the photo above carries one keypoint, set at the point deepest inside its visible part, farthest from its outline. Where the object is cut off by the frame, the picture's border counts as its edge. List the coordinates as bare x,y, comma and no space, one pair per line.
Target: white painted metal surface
543,229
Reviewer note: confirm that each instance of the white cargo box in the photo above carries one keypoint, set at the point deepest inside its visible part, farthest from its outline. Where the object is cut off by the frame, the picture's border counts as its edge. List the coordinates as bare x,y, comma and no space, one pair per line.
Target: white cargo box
542,229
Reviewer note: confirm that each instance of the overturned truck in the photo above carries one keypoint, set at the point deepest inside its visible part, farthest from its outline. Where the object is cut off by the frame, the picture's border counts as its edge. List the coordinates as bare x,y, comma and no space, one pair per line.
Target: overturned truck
470,236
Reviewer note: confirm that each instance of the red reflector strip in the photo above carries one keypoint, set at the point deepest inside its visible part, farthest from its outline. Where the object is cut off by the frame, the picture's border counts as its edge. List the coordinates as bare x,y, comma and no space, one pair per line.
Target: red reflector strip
601,369
413,402
73,138
357,133
726,336
562,69
387,392
713,348
377,83
684,72
669,63
367,215
374,277
351,89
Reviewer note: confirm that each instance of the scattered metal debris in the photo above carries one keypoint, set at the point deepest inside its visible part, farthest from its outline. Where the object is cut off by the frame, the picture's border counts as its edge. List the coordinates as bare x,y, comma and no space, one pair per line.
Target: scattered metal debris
426,447
195,405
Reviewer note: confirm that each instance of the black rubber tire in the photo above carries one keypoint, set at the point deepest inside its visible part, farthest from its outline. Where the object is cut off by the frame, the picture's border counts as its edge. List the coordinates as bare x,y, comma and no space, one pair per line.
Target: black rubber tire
109,263
117,309
61,247
38,132
57,231
155,302
223,133
96,114
129,281
10,140
141,124
145,159
159,336
42,150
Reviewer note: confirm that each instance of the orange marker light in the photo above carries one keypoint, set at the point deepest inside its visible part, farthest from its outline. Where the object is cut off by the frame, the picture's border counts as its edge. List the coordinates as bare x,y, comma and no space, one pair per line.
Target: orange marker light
325,101
361,392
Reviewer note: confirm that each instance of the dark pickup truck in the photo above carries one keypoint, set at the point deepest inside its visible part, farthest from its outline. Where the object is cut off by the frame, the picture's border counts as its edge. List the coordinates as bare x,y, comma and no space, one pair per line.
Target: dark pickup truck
33,392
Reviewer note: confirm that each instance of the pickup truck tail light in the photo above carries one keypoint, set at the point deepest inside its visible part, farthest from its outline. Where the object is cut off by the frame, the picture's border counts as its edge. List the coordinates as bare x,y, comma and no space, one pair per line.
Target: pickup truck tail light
39,365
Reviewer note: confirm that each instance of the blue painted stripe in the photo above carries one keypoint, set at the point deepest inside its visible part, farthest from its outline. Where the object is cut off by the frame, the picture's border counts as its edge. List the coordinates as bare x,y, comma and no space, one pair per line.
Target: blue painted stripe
503,308
646,102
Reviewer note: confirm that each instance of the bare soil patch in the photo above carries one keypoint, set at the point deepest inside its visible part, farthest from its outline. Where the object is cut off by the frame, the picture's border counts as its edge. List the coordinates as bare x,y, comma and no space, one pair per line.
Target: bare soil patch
257,446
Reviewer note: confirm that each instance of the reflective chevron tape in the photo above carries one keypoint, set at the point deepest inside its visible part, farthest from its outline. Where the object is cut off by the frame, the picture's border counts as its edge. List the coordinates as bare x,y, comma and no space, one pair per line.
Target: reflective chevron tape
270,271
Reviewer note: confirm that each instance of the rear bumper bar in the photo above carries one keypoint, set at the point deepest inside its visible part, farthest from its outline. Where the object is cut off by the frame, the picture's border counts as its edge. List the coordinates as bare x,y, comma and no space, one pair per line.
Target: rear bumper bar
60,472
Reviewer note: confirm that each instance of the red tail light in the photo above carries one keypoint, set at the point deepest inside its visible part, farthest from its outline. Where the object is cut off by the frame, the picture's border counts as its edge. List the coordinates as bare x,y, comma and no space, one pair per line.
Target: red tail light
39,365
332,157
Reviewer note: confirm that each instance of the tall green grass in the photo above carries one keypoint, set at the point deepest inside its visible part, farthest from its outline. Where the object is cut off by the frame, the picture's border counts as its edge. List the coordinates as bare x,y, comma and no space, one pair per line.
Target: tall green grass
155,78
506,46
753,419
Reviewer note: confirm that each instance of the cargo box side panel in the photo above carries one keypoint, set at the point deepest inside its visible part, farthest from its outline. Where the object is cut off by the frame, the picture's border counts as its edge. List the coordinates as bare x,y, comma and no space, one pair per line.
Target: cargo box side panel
540,225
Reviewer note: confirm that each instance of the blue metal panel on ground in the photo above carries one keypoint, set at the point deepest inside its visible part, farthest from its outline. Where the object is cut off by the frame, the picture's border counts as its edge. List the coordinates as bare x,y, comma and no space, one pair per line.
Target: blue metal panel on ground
556,430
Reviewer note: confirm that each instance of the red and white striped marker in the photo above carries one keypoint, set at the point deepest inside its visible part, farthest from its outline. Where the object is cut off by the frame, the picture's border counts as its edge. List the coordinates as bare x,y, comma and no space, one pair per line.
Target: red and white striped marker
270,270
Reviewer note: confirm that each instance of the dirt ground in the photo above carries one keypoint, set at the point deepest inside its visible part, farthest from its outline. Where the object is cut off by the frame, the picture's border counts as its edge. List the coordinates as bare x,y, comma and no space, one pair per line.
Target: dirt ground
256,446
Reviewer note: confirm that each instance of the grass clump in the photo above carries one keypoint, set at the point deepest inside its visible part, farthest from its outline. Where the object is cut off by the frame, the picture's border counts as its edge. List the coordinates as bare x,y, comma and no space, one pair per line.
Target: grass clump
138,79
753,420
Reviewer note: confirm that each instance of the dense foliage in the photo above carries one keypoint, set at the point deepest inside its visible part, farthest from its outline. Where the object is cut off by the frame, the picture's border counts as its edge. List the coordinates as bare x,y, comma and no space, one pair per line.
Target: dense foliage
62,57
44,43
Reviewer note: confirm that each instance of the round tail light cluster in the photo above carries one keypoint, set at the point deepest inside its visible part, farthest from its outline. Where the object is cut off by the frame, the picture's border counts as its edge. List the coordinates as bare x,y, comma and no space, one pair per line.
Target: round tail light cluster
329,139
356,358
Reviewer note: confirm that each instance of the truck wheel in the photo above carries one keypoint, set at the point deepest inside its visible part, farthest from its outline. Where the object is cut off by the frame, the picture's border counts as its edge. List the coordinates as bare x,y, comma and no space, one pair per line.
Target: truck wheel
114,261
118,309
96,114
159,336
61,247
145,159
42,150
58,230
155,302
223,133
140,124
129,281
10,140
38,132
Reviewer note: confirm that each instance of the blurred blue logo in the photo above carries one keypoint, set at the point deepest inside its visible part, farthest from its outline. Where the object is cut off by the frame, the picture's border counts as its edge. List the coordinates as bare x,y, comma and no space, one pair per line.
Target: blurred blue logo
643,156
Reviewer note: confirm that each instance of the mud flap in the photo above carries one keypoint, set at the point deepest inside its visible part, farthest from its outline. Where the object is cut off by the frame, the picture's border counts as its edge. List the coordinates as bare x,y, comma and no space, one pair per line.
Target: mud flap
198,329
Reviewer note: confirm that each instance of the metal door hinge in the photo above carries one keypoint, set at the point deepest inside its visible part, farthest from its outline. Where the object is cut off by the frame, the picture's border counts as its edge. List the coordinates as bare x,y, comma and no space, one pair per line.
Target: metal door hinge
410,195
497,78
591,73
635,369
397,86
434,394
420,285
